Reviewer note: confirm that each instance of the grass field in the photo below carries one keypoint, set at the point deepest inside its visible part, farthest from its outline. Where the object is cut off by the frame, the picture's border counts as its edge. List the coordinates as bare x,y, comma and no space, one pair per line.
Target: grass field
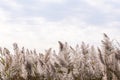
84,62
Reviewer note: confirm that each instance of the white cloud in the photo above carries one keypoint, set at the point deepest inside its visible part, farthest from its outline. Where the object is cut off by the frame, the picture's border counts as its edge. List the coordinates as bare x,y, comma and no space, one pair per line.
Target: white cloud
116,1
48,33
104,6
41,33
12,4
95,2
53,1
4,15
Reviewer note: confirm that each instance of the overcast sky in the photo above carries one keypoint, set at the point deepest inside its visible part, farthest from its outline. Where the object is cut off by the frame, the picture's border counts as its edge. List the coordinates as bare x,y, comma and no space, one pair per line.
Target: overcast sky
41,24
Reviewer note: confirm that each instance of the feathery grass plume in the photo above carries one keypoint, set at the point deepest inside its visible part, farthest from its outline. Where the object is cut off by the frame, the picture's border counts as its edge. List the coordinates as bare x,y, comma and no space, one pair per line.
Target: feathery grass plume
109,59
84,62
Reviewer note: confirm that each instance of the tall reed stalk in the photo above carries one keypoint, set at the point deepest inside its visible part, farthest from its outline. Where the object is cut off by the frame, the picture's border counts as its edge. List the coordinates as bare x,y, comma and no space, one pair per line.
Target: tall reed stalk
84,62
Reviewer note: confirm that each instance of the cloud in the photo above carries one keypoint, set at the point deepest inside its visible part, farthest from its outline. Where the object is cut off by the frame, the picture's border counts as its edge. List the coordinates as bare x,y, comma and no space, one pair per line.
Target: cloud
11,4
52,1
4,15
46,33
40,25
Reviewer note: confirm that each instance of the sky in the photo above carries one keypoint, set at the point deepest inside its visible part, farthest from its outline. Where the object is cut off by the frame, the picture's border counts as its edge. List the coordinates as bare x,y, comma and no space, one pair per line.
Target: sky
40,24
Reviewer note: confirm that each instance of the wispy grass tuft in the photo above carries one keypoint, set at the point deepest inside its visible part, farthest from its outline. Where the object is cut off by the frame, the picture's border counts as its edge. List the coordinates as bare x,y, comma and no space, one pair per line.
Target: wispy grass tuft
84,62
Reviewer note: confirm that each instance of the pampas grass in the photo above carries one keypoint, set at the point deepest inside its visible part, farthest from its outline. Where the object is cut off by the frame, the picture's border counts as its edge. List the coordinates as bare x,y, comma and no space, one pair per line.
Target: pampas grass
84,62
